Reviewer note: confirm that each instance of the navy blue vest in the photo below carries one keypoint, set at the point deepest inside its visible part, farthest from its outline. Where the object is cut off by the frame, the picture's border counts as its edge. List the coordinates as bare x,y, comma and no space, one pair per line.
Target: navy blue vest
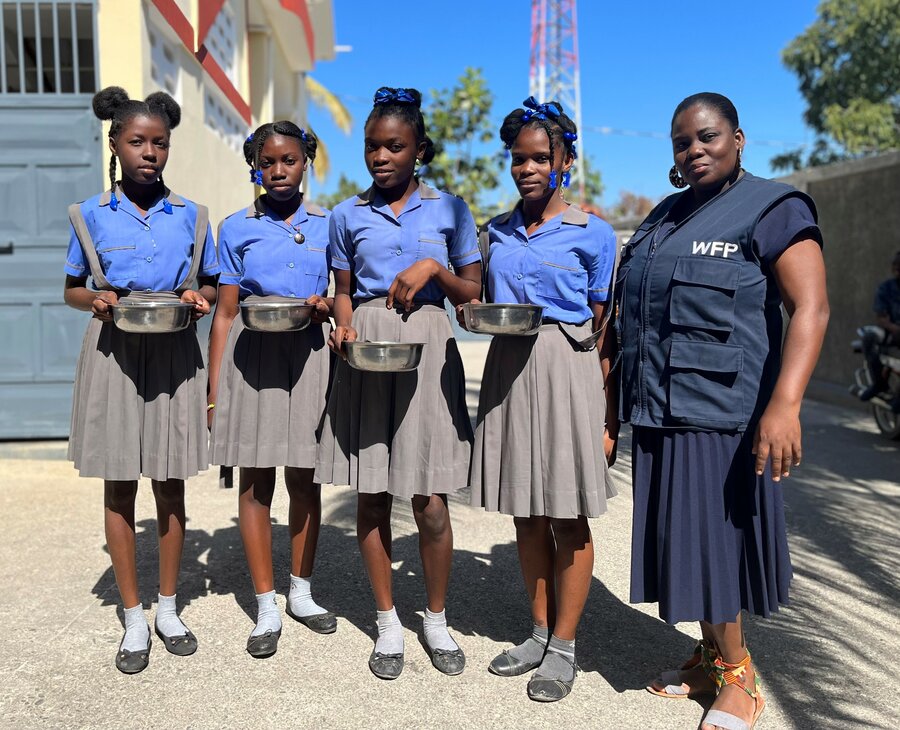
699,316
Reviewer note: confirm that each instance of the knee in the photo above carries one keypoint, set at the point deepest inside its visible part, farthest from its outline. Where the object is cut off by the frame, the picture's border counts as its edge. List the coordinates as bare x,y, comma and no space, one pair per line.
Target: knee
432,515
530,528
300,486
573,533
119,496
373,509
169,494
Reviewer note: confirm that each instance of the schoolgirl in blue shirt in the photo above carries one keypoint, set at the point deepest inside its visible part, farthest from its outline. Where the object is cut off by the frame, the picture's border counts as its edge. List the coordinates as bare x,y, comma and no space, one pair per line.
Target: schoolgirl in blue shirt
267,390
544,422
140,398
403,435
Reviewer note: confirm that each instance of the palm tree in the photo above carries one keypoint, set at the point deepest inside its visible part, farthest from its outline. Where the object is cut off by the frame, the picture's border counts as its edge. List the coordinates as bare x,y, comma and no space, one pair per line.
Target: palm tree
328,102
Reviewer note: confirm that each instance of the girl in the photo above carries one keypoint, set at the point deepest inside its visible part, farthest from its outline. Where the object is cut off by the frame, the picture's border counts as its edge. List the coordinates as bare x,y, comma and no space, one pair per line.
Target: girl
540,437
401,435
139,399
267,391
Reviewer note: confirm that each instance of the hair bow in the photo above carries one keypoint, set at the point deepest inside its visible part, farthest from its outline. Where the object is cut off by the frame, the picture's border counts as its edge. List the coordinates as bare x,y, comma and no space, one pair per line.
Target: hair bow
541,111
400,96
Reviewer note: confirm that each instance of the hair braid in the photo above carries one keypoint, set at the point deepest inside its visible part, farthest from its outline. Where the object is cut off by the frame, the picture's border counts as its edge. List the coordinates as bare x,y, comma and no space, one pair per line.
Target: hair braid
112,173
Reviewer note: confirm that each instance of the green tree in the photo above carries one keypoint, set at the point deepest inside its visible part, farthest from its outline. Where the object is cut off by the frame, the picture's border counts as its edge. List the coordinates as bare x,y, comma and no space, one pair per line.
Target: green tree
459,121
848,63
593,184
346,188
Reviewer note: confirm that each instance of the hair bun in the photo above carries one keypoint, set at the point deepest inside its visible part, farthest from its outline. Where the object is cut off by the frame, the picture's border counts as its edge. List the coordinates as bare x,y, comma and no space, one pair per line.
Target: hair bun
109,100
161,104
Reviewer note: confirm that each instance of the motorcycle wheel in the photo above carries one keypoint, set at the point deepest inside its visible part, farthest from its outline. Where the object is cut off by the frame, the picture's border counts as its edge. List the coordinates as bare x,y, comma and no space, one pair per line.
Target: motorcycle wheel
888,422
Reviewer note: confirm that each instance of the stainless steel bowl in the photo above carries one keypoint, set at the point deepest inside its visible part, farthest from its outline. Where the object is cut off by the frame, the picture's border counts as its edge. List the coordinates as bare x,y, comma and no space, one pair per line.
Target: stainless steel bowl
145,317
263,316
384,357
503,319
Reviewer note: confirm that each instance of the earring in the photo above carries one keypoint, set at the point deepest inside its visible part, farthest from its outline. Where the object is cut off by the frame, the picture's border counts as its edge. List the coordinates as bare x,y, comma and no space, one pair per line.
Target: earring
567,178
676,179
739,150
552,184
257,178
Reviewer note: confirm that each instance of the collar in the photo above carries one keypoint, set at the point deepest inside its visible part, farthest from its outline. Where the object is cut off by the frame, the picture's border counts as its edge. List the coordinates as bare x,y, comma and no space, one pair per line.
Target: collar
573,216
257,209
426,192
167,194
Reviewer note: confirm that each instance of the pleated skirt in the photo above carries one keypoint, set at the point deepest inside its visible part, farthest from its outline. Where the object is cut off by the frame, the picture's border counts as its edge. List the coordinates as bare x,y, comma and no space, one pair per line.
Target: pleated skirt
139,407
709,536
539,431
406,434
271,397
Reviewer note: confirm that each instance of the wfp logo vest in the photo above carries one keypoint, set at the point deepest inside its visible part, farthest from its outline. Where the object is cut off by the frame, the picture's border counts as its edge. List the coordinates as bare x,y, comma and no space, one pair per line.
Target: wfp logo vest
699,320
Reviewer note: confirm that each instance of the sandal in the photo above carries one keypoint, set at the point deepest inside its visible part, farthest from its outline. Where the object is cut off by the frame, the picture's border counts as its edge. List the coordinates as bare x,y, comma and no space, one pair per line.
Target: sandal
673,688
725,674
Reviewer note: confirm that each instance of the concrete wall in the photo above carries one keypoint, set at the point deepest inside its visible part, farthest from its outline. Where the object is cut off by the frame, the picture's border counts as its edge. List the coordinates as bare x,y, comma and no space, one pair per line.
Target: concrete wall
859,214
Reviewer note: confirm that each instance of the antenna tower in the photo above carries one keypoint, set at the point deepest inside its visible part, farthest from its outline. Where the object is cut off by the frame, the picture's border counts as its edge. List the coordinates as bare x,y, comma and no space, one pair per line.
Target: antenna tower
554,70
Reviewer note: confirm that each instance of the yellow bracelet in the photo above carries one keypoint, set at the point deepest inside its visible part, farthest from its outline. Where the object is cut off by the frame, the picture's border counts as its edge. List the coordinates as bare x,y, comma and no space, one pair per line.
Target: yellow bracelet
210,406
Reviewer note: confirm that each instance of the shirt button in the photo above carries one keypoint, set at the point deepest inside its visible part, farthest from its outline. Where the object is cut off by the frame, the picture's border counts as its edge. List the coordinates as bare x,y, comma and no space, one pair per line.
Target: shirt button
399,251
149,258
291,265
525,244
146,228
518,276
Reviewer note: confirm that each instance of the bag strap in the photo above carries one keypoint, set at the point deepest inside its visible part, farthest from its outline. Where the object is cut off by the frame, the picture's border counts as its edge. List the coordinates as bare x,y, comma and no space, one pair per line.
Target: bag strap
79,224
590,342
484,245
200,227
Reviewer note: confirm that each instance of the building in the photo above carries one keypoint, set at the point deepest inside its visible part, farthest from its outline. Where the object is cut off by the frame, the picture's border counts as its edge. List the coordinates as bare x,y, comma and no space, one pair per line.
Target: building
230,64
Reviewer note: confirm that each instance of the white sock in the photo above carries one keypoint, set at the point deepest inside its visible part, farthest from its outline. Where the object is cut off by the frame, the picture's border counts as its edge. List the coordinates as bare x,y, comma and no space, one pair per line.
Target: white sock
390,633
268,617
300,598
436,634
137,631
167,620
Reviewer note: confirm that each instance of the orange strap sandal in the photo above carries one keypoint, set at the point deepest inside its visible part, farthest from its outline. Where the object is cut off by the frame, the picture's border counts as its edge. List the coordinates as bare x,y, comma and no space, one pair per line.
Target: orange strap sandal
673,688
725,674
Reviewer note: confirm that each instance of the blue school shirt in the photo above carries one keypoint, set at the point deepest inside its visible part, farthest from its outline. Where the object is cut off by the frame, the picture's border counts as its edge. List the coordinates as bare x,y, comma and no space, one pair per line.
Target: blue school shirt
257,251
565,264
365,237
137,252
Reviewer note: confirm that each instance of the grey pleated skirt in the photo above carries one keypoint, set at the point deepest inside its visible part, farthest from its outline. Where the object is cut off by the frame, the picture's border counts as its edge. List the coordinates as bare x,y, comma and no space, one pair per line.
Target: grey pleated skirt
271,397
139,407
539,431
402,433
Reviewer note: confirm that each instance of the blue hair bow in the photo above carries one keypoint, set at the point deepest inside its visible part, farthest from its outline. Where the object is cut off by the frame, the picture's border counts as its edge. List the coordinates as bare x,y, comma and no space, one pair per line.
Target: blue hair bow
400,96
550,110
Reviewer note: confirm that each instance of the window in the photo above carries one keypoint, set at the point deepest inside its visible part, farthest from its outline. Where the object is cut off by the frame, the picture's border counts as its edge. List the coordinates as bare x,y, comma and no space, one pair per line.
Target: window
219,117
47,48
222,42
164,68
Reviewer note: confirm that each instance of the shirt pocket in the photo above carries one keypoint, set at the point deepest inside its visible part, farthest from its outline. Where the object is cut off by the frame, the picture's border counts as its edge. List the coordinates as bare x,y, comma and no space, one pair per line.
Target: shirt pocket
119,262
703,293
563,280
433,245
705,386
316,271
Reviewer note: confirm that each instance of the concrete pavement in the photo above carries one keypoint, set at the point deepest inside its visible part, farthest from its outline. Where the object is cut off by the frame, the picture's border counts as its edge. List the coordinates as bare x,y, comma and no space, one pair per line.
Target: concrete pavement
826,661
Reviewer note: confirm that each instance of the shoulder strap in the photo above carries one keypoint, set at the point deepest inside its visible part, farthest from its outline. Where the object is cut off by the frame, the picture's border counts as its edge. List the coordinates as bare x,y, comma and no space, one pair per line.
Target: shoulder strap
484,245
590,342
79,224
200,226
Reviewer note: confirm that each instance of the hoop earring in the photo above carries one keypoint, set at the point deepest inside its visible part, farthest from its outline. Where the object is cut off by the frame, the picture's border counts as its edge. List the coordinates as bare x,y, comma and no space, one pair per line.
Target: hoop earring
676,179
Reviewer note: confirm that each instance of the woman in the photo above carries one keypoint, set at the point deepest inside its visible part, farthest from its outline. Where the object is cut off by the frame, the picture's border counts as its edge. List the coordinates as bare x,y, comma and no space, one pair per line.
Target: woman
707,385
542,413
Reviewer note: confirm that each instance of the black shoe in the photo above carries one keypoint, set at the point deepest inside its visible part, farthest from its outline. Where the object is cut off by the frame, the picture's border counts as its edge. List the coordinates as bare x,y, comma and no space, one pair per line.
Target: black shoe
386,666
132,662
546,689
183,645
449,662
321,623
872,391
506,665
264,645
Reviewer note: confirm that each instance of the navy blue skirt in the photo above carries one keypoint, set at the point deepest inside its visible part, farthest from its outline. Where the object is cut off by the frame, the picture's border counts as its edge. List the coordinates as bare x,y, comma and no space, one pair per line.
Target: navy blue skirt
709,536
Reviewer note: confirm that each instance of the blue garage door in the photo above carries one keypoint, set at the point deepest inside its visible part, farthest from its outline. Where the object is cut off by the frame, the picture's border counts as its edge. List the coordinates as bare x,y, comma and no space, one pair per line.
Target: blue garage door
49,157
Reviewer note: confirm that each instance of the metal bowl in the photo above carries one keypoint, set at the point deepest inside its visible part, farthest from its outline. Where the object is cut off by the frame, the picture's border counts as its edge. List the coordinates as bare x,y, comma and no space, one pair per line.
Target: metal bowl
147,317
263,316
503,319
384,357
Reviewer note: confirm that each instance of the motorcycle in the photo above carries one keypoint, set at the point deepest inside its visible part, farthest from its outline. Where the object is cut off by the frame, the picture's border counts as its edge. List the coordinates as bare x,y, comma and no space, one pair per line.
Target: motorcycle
887,420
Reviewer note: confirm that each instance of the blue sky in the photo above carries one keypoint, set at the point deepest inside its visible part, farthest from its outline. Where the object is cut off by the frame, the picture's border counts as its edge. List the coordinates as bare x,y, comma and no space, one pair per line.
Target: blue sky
638,60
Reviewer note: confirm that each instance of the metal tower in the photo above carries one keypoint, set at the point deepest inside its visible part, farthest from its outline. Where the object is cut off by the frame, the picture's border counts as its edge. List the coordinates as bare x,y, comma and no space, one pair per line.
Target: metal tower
554,71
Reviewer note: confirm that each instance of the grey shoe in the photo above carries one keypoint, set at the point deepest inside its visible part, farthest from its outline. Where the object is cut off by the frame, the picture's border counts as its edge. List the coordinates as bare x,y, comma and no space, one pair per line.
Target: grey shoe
546,689
183,645
132,662
321,623
264,645
386,666
506,665
449,662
